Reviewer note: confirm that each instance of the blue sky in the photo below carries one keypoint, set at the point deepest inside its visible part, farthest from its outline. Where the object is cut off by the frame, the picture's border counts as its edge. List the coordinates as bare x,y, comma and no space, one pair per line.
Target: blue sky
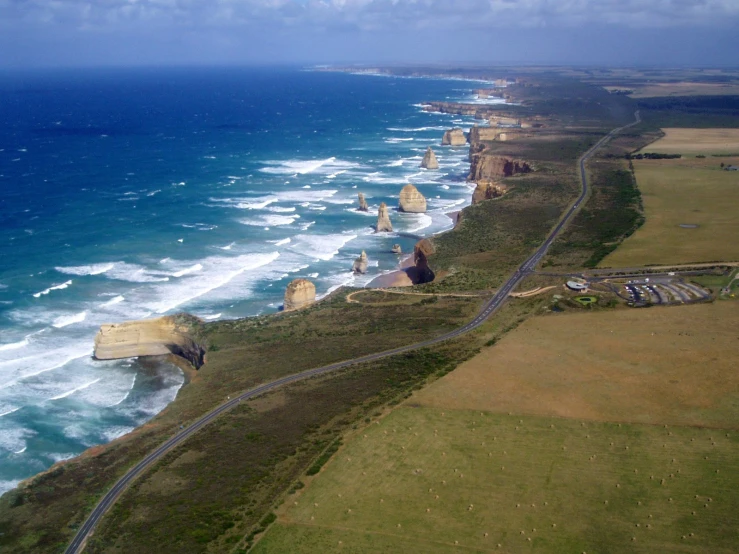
156,32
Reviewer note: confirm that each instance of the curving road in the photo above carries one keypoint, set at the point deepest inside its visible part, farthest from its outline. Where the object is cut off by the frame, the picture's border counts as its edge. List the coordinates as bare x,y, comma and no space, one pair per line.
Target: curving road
77,544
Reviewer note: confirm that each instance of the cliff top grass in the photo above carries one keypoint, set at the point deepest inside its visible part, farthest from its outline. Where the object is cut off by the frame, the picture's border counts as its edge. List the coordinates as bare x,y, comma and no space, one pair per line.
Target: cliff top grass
696,142
435,480
584,432
691,191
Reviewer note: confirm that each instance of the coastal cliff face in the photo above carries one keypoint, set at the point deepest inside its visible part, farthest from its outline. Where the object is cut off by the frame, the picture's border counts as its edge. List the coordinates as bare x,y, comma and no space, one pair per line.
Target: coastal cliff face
479,134
299,294
421,251
487,191
482,134
411,201
150,337
489,93
363,207
429,160
490,167
454,137
383,220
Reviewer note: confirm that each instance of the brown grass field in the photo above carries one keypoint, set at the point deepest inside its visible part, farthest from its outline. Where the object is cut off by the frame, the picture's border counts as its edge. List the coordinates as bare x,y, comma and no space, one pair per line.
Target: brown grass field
696,141
684,89
623,365
684,191
580,432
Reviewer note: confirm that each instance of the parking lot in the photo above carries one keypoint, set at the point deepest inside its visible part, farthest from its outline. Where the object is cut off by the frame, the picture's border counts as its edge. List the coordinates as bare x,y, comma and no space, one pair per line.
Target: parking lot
659,290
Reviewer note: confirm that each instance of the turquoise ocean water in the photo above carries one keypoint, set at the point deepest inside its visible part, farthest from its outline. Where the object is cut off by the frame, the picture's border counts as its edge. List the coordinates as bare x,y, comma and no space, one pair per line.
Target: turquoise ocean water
128,194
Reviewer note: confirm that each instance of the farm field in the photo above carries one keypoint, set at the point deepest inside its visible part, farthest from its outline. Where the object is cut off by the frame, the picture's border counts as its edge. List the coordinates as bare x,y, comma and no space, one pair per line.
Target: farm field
692,192
528,447
696,141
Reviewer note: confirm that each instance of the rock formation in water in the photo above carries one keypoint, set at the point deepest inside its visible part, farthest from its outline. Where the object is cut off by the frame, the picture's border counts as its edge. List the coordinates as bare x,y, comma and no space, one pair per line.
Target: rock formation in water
299,293
363,207
486,191
383,220
429,160
397,249
454,137
422,272
151,337
411,201
485,166
361,263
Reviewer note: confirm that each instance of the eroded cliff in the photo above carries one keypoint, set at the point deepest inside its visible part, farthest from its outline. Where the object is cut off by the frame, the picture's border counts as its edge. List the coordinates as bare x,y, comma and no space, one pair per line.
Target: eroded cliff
151,337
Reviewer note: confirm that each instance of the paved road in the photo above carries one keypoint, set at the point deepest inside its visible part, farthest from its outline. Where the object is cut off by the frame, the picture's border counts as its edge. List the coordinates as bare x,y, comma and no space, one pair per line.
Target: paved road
492,305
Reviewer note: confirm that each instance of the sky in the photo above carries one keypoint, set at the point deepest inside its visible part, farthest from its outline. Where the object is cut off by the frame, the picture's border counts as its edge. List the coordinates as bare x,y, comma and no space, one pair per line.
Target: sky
63,33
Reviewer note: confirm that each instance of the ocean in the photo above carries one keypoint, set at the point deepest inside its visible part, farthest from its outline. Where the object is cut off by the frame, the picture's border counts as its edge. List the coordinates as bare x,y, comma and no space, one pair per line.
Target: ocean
134,193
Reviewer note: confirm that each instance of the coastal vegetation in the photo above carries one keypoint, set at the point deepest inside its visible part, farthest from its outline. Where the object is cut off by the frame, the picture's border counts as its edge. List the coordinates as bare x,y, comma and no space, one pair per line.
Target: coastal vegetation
688,211
608,443
356,459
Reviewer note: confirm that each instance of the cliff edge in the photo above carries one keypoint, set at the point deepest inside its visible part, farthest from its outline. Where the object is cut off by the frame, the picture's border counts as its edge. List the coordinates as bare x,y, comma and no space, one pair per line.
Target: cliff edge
150,337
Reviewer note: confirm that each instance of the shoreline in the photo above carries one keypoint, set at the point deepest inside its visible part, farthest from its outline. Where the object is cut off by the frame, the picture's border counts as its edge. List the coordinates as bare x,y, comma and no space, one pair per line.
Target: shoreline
399,277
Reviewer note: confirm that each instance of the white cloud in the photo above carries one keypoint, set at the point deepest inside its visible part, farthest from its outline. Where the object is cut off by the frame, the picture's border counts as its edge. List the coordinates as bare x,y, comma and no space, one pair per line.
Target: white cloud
373,15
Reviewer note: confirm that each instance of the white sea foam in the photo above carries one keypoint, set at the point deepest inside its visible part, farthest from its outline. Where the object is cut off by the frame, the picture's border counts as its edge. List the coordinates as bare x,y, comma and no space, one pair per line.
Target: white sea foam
281,209
113,301
281,242
152,193
50,289
211,317
321,247
303,167
187,271
66,320
14,439
5,486
398,140
92,269
415,129
218,271
270,220
8,412
396,163
227,247
14,345
76,389
418,222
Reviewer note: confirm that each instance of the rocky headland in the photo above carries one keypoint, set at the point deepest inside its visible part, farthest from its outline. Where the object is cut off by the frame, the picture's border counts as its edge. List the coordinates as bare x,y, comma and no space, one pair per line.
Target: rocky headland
487,166
151,337
411,201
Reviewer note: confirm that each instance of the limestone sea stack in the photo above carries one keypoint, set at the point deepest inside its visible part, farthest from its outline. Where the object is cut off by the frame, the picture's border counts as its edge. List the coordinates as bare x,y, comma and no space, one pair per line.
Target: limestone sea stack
363,207
429,160
412,201
361,263
150,337
299,294
397,249
454,137
421,251
383,220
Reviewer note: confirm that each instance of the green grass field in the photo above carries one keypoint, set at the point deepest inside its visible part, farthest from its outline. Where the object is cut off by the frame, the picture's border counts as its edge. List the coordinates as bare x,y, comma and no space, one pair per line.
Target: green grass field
676,192
426,480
